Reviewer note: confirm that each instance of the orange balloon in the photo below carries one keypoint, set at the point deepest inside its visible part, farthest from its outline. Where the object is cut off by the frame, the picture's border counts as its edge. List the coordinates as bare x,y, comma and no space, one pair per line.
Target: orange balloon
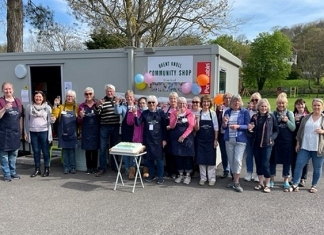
202,79
218,99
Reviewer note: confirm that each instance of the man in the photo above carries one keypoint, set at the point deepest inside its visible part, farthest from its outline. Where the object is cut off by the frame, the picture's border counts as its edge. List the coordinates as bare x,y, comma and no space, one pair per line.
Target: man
109,127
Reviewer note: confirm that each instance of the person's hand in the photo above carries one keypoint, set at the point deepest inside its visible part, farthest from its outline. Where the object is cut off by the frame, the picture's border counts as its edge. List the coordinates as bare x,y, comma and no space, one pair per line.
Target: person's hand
319,131
168,127
8,105
26,137
164,143
117,100
100,102
284,118
234,126
215,143
56,102
297,147
53,118
82,113
181,139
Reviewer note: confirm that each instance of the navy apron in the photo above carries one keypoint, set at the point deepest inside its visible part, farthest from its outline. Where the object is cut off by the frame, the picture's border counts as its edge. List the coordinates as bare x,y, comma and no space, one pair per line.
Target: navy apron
185,148
127,131
90,130
205,137
10,129
168,148
67,129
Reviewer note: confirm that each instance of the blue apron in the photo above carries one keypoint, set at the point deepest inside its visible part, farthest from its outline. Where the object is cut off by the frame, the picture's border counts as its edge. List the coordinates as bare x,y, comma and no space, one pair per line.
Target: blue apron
205,136
90,130
67,129
185,148
10,129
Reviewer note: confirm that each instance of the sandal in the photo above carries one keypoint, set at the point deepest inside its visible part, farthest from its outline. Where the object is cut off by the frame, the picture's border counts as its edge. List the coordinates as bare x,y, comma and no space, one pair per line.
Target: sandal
313,189
287,188
266,189
295,188
259,187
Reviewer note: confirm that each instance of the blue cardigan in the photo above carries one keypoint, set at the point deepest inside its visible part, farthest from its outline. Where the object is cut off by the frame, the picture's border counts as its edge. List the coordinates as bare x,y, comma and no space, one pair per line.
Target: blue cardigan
243,120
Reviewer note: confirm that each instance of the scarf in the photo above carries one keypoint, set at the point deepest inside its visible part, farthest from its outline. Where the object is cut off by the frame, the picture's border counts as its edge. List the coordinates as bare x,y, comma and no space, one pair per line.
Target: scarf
38,110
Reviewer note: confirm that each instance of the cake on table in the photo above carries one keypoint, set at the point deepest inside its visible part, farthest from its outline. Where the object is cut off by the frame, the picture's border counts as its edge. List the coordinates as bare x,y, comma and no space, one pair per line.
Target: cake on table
128,147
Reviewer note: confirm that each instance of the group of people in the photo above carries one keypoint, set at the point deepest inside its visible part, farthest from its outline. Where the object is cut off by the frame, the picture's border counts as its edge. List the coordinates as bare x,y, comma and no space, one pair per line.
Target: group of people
178,140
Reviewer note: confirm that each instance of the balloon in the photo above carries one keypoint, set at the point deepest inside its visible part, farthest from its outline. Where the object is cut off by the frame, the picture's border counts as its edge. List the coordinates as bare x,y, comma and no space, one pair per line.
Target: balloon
202,79
139,78
186,87
148,78
140,86
195,88
218,99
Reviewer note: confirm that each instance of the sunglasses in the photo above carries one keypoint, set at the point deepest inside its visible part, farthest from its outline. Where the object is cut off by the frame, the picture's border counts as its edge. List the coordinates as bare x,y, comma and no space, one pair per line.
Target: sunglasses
87,93
254,100
195,102
151,102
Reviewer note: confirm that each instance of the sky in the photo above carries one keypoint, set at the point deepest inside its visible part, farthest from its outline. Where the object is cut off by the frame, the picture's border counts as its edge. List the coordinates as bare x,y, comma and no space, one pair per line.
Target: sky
261,15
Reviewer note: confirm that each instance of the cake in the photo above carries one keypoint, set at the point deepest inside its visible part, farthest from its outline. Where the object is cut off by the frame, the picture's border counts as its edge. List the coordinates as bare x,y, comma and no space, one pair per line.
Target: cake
128,147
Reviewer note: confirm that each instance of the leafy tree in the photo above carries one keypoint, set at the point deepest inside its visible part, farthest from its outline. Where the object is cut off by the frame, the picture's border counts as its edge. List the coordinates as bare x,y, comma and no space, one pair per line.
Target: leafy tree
155,23
3,48
104,40
268,59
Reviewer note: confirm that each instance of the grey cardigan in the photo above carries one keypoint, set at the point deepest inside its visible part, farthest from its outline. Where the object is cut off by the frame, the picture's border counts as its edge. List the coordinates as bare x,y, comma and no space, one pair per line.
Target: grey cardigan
300,135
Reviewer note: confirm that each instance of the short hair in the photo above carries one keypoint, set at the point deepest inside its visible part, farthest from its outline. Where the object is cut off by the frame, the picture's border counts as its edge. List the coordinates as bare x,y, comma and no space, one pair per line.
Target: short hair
206,97
110,86
142,98
71,93
173,94
256,94
261,101
282,97
182,100
196,98
129,92
89,89
234,99
152,98
226,95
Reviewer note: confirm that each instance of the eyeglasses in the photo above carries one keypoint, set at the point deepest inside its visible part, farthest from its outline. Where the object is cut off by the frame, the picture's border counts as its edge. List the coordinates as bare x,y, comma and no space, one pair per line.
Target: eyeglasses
254,100
183,103
142,103
151,102
88,93
195,102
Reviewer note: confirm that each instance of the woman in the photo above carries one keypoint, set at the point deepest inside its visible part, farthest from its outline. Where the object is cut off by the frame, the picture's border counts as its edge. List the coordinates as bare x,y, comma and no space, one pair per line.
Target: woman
10,131
89,121
310,145
67,129
255,97
195,107
206,127
154,137
300,112
138,130
235,124
127,131
38,131
170,164
182,140
283,148
264,130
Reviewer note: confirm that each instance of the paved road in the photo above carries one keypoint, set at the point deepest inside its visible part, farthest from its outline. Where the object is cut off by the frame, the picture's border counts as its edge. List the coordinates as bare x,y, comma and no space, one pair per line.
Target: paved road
84,204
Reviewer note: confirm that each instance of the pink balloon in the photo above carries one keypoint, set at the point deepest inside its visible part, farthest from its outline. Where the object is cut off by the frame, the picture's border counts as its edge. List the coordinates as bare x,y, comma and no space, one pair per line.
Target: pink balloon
148,78
186,87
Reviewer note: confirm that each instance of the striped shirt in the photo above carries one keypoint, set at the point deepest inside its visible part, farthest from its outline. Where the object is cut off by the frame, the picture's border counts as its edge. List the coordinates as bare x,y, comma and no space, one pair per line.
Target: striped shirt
107,113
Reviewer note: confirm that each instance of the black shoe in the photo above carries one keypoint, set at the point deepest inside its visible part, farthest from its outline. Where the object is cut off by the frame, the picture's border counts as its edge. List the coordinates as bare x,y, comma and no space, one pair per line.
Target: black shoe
46,171
88,172
36,172
225,175
100,173
73,171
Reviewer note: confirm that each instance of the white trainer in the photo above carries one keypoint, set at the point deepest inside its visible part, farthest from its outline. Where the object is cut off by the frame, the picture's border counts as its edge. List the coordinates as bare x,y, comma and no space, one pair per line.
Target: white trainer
179,179
187,179
248,177
255,178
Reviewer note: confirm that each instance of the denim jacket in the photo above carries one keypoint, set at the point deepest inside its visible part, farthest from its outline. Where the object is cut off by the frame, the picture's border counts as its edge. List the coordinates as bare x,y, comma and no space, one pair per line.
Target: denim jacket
269,131
243,120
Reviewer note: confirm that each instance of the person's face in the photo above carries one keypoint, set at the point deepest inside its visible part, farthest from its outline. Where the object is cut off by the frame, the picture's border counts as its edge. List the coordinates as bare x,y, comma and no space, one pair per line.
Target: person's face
152,105
182,106
38,98
173,101
69,98
281,106
206,104
8,90
236,104
195,104
263,108
129,99
227,100
88,95
317,106
254,101
142,103
110,92
300,107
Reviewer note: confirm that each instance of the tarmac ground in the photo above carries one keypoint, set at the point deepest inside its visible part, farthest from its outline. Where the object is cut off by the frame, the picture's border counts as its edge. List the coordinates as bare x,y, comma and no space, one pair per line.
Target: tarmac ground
85,204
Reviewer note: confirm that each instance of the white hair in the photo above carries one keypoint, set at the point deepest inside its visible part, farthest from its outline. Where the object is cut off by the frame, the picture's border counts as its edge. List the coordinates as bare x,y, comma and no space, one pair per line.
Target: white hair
110,86
152,98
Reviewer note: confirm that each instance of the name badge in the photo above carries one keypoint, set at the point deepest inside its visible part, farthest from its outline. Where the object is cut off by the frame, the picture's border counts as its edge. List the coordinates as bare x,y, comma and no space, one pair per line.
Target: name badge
63,112
151,127
184,120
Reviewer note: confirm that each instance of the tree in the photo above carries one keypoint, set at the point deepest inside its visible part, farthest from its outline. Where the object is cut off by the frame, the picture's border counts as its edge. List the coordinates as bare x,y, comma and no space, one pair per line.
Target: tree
268,59
104,40
14,26
3,48
155,23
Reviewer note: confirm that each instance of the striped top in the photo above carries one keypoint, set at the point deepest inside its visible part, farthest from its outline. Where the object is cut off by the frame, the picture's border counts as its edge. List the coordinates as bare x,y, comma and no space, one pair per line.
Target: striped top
107,112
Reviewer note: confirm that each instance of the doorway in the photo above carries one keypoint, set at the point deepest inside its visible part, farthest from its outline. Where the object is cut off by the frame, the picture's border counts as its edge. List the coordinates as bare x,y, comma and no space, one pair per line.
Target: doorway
47,79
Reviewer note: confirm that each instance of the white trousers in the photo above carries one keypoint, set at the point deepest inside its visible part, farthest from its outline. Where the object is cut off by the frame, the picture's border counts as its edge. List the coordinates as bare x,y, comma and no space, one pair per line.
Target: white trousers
207,171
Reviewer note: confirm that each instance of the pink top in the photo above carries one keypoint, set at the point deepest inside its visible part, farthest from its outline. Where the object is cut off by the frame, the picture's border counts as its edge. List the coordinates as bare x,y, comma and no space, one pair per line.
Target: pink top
191,121
138,130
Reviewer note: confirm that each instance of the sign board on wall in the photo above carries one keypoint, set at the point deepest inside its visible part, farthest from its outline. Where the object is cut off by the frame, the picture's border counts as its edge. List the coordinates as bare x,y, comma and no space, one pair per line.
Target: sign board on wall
204,68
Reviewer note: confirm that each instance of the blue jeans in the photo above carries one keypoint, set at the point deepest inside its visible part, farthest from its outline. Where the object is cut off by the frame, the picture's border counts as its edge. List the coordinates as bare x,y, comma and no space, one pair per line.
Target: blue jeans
303,157
224,157
249,155
107,131
262,158
184,164
285,170
8,162
128,162
39,142
160,168
69,160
